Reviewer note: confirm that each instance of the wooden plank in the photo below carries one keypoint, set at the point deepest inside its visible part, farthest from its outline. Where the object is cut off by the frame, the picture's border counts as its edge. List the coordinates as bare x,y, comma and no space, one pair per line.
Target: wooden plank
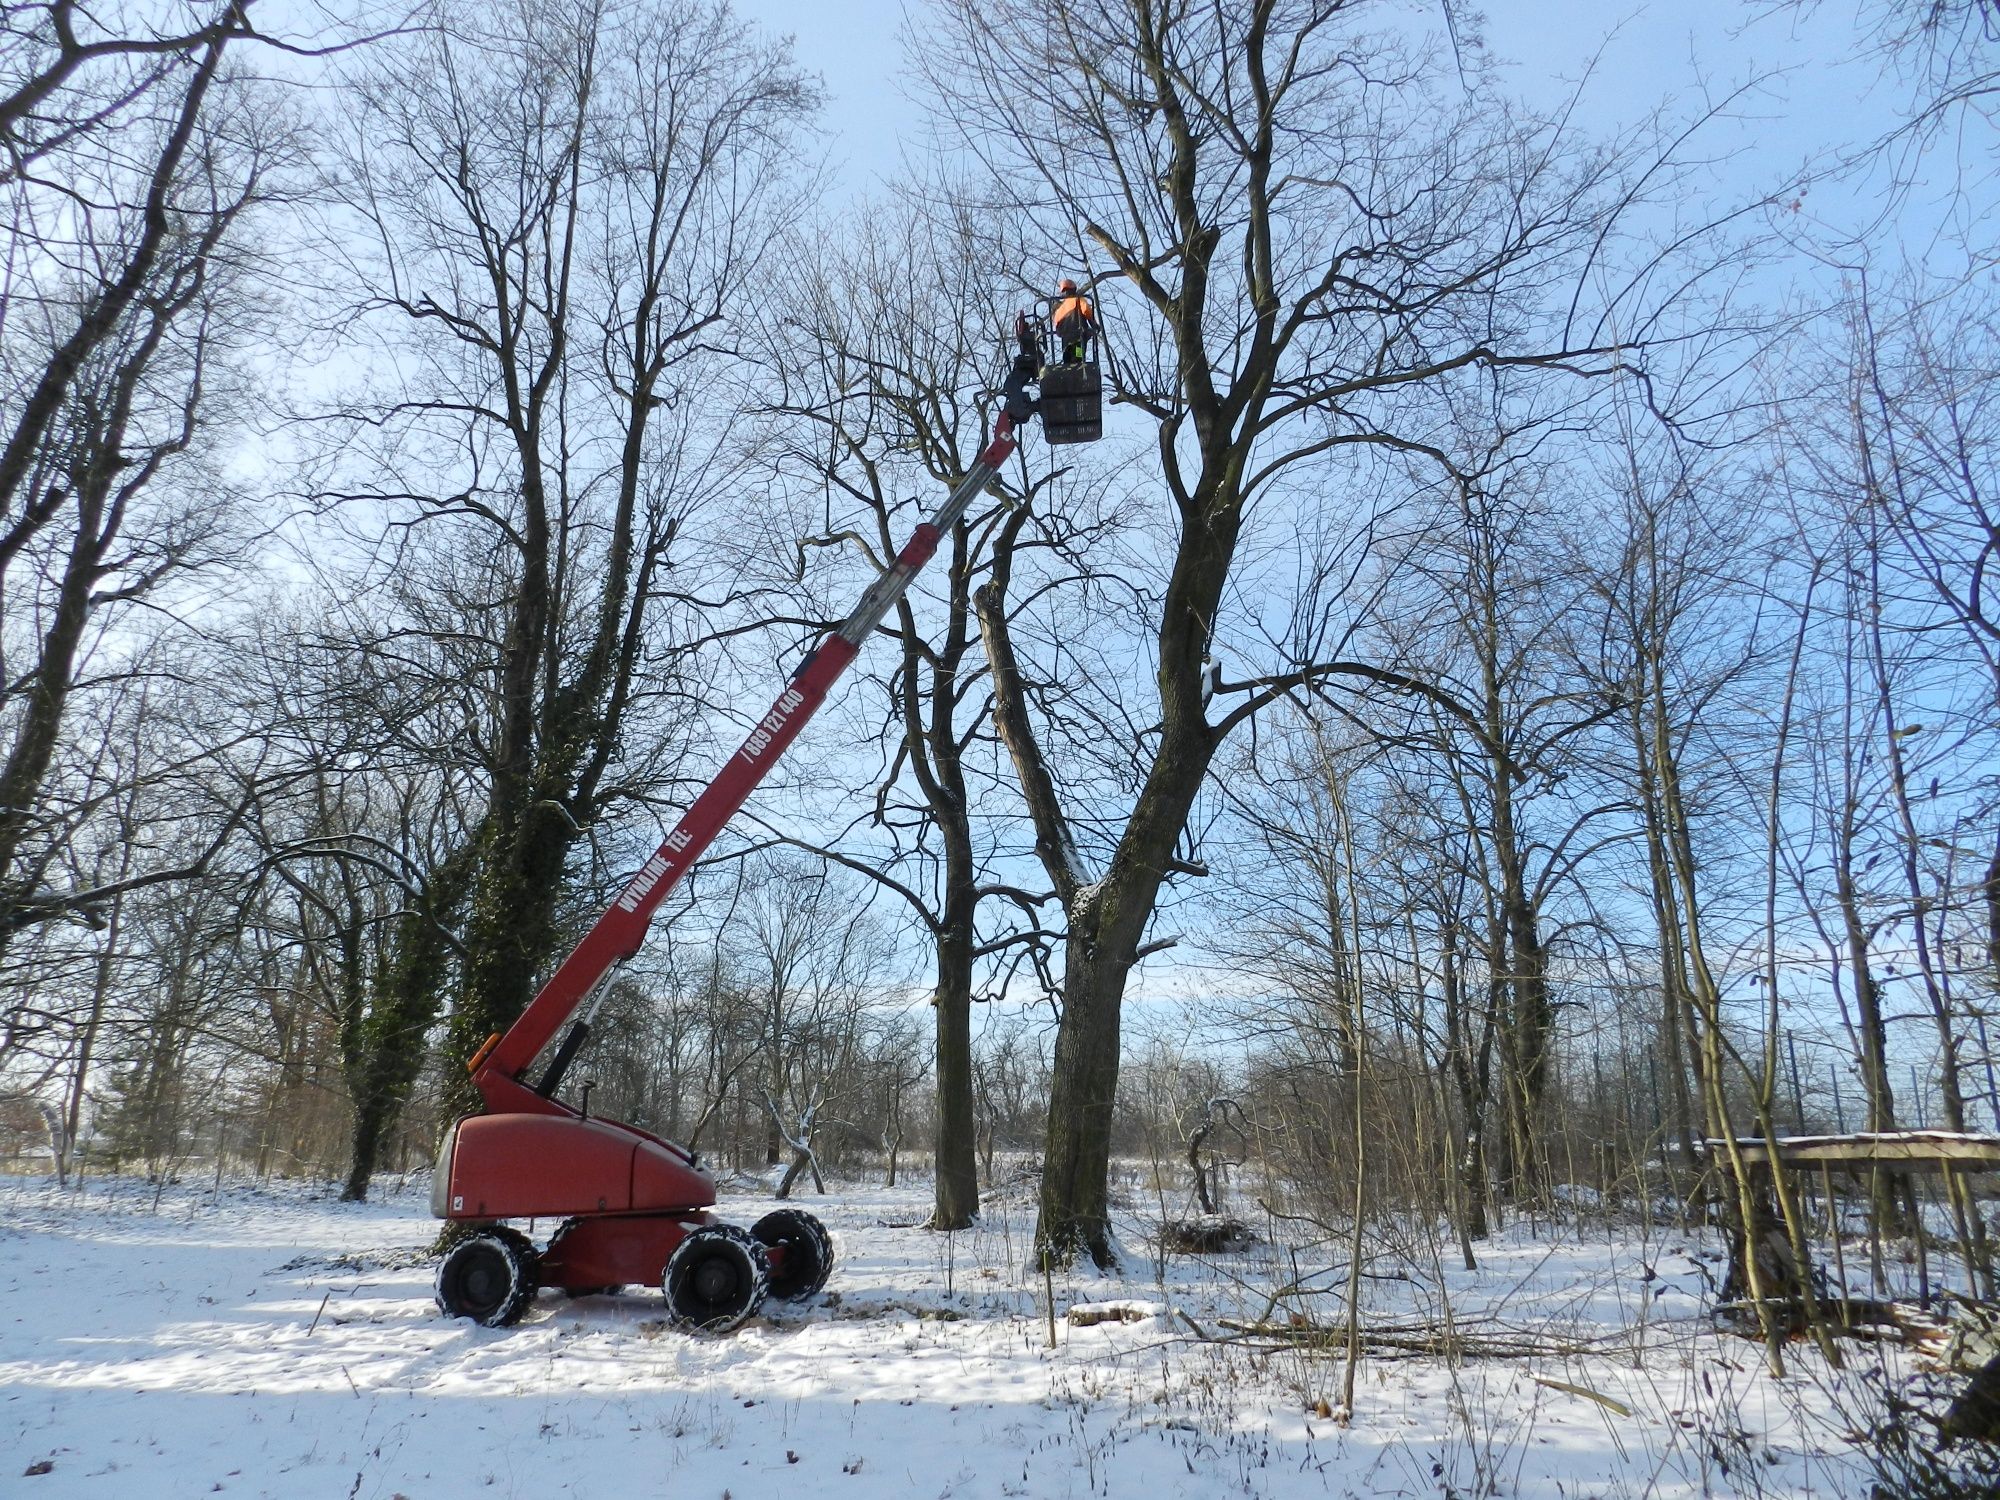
1910,1149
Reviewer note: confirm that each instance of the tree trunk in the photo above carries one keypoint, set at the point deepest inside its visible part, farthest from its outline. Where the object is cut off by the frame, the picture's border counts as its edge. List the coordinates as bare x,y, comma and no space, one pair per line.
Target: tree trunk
957,1173
510,934
1991,891
774,1077
1676,1020
40,717
1341,969
1533,1029
1195,1141
100,990
1529,1022
1075,1199
1469,1083
800,1161
1880,1093
384,1049
1107,917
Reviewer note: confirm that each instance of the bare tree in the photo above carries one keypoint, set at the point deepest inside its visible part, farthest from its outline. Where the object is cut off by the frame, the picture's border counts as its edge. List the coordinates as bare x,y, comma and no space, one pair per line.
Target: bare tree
1486,607
1886,461
564,198
68,74
1944,52
130,294
1922,415
868,405
811,954
370,839
1310,237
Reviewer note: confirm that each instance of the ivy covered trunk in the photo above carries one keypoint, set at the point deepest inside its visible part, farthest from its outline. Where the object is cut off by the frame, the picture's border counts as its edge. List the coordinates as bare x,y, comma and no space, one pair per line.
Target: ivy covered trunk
382,1045
511,934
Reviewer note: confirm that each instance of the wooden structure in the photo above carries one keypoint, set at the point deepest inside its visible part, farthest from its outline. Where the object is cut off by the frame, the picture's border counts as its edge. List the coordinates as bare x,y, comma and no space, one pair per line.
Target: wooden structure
1902,1150
1967,1161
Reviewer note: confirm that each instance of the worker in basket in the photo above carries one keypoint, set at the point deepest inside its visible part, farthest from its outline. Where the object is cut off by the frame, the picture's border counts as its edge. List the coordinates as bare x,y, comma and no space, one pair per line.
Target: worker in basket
1075,322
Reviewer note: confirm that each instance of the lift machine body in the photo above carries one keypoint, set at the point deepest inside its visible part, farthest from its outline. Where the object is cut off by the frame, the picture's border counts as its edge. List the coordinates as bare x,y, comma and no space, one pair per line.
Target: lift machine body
637,1208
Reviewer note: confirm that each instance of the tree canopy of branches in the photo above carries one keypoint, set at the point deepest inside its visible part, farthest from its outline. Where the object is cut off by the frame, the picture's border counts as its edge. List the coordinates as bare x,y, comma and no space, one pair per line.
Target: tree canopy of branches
1311,234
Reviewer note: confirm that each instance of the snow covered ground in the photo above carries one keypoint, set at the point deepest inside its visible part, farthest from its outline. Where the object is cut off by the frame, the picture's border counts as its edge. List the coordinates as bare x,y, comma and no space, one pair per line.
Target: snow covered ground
271,1341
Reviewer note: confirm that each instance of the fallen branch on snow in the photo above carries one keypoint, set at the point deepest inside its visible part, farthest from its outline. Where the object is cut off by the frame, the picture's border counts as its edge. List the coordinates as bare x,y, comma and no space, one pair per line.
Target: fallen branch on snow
1406,1340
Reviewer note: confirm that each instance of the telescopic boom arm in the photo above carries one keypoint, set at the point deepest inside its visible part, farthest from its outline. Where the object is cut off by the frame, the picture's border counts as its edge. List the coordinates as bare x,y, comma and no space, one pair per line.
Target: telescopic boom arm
617,935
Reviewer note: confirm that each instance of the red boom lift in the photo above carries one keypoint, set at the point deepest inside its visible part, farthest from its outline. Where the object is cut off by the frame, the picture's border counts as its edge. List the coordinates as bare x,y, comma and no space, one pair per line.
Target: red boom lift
634,1207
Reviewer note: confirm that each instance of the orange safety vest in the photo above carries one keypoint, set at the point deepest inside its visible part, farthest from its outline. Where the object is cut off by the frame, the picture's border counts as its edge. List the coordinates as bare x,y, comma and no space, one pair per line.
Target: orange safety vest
1072,315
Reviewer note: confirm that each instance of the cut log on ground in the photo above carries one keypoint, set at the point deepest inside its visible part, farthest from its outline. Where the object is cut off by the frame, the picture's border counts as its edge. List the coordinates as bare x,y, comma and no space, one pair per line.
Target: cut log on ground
1090,1314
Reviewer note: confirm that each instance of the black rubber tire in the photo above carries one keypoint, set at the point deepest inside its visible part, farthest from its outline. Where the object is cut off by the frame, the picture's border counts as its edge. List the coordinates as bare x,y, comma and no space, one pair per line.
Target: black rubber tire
715,1279
611,1290
489,1277
808,1252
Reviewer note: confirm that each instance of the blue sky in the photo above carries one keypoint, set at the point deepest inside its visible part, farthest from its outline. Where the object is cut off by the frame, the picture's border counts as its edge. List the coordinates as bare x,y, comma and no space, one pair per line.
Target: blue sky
1816,96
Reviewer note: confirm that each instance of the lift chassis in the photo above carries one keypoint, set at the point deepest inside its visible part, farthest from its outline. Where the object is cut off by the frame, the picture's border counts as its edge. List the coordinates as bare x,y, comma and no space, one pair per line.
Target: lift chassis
636,1208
